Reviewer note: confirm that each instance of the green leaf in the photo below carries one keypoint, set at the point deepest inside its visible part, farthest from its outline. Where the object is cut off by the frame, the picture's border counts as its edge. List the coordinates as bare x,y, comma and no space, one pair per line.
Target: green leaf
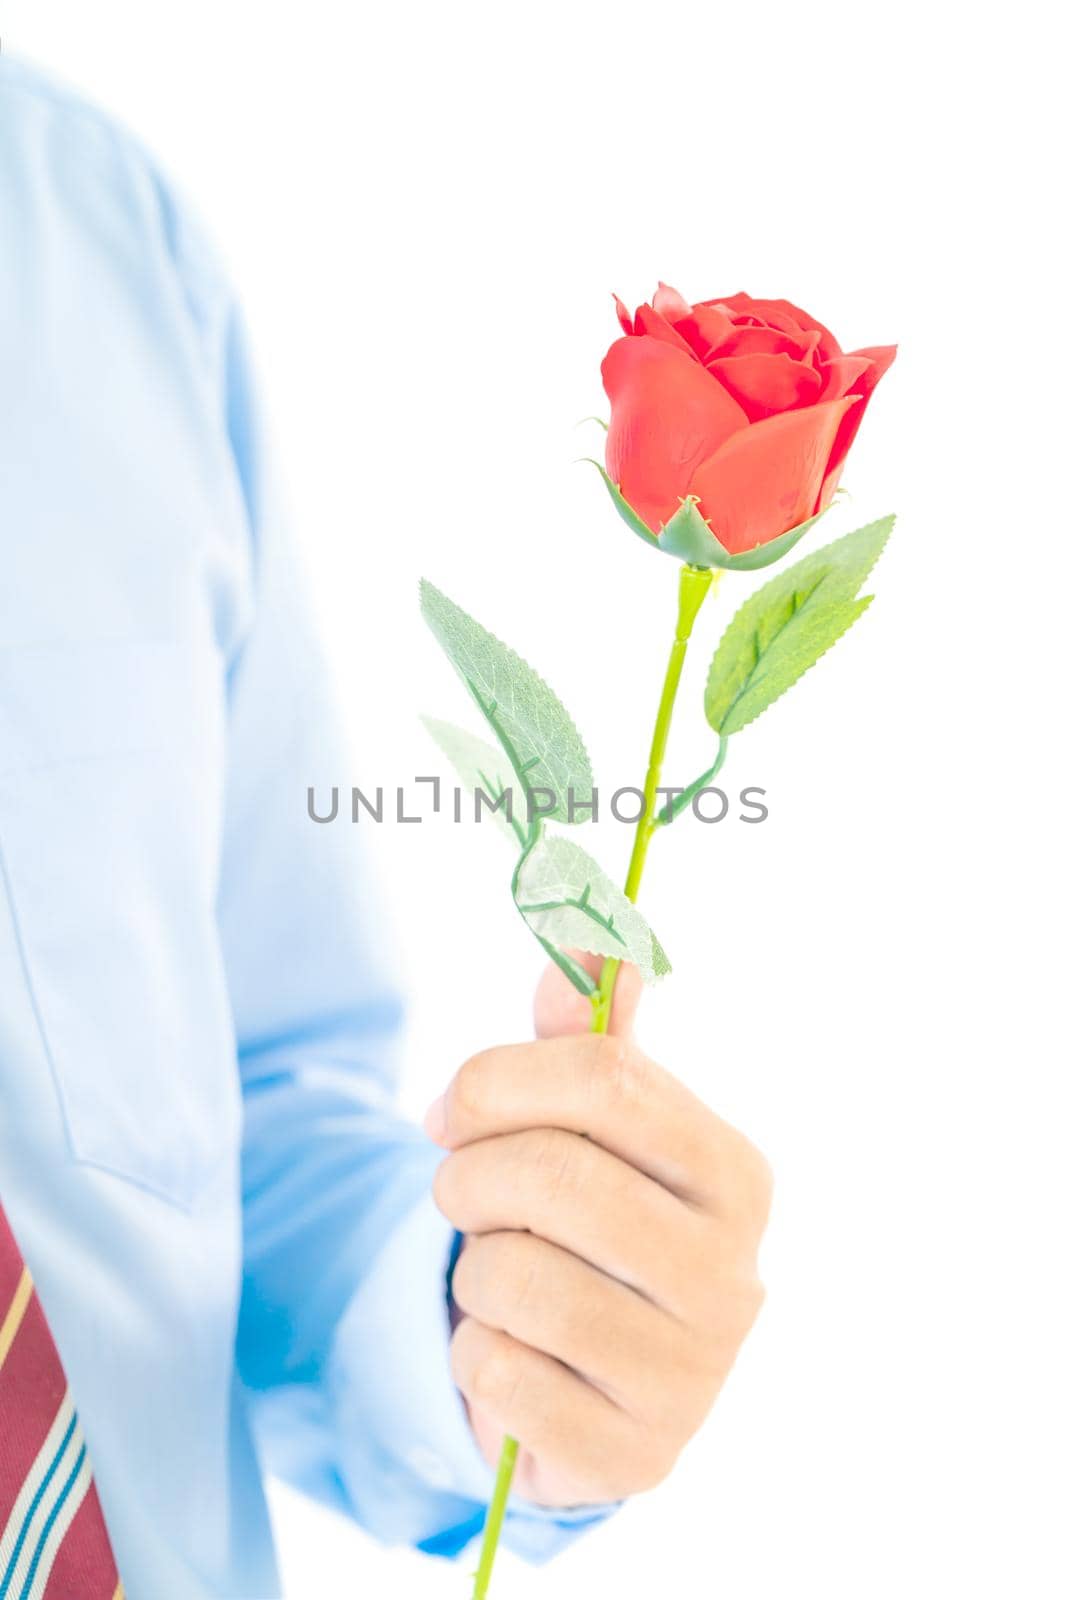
569,901
482,767
785,627
535,731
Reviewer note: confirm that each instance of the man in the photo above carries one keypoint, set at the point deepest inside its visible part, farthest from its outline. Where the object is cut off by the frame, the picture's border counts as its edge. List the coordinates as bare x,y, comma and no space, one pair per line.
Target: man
226,1225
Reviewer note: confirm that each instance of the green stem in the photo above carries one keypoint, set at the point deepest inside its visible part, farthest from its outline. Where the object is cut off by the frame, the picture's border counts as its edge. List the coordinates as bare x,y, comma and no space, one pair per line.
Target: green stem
494,1521
692,591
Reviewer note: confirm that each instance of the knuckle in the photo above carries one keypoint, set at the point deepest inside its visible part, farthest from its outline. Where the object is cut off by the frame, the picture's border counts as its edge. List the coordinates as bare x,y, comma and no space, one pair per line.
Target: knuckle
467,1093
464,1353
739,1314
759,1183
653,1461
727,1294
750,1183
496,1377
439,1187
448,1187
467,1275
682,1394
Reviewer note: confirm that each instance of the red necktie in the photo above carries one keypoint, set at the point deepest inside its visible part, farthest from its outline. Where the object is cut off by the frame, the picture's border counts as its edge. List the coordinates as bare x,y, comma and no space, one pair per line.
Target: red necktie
53,1543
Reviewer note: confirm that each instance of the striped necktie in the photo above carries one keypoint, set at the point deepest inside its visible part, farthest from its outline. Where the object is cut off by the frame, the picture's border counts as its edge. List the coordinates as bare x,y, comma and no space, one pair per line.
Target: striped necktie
53,1543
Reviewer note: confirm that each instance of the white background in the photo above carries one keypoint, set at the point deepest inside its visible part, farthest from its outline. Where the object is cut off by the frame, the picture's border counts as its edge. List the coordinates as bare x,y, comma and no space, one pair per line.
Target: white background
426,207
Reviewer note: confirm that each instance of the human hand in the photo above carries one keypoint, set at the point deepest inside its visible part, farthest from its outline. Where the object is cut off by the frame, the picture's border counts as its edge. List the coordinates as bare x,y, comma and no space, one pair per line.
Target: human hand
608,1275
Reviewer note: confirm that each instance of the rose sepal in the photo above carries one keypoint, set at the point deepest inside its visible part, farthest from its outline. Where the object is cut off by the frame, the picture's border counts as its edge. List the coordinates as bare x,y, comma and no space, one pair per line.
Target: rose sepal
626,511
687,537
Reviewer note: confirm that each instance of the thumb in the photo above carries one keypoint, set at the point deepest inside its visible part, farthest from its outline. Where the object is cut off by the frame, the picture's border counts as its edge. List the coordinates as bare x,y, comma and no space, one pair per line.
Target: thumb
559,1009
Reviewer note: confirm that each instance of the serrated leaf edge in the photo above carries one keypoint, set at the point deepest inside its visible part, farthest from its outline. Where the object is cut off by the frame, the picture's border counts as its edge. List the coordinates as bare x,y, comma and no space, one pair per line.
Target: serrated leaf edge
502,738
861,604
659,964
855,598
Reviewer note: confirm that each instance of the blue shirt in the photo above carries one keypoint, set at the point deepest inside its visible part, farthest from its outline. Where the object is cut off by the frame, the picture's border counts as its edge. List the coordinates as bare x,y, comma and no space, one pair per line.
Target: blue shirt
230,1229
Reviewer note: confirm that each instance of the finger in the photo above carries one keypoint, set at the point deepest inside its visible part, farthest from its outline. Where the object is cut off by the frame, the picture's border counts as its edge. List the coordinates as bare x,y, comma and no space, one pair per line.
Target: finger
611,1092
560,1009
567,1190
552,1301
560,1419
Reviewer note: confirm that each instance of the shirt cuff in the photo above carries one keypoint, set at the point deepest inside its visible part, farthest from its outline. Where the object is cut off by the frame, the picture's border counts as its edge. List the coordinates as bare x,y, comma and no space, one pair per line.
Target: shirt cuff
406,1453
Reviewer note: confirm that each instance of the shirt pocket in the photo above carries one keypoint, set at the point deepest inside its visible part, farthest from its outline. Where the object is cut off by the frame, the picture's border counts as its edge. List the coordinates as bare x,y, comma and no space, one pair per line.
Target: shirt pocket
110,762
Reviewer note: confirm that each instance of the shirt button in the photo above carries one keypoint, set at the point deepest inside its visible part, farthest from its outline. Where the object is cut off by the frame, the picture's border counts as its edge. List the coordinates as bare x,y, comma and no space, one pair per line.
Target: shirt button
429,1466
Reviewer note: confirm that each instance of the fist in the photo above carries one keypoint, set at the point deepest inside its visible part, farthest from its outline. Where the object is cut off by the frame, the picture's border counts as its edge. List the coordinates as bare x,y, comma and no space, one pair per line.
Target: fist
608,1274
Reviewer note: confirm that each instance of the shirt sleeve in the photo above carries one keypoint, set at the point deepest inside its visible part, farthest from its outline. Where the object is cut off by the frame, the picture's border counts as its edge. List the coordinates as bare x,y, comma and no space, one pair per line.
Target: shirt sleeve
343,1333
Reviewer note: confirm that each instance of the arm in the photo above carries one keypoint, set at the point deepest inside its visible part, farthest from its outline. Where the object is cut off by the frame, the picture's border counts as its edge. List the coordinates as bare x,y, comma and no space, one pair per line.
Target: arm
344,1332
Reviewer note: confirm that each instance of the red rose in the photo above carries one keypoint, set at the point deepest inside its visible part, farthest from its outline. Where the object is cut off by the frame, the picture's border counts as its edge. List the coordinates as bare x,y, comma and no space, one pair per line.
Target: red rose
748,406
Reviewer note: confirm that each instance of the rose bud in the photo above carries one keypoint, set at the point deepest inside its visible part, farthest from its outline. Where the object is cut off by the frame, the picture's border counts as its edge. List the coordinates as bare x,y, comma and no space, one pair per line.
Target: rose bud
730,423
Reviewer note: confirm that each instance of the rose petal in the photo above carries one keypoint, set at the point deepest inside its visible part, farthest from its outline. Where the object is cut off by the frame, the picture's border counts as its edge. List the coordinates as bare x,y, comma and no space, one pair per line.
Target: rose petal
881,356
829,488
879,359
667,415
626,322
746,339
705,329
649,321
766,384
750,313
767,478
840,373
783,314
669,303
